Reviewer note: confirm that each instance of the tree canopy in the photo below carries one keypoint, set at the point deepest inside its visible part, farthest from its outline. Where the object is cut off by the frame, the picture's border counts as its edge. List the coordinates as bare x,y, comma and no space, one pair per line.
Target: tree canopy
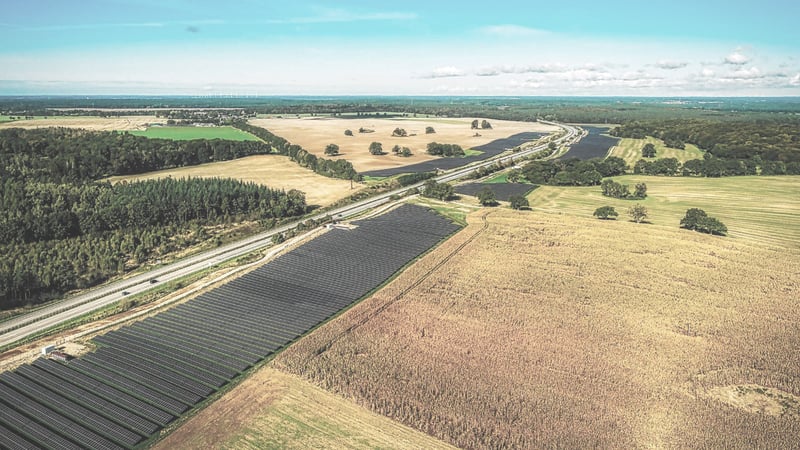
637,213
376,148
486,196
605,212
573,171
441,191
518,202
435,148
331,149
649,150
696,219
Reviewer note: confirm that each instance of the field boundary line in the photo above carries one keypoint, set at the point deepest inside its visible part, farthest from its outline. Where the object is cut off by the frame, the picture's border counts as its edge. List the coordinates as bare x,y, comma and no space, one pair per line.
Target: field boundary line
383,307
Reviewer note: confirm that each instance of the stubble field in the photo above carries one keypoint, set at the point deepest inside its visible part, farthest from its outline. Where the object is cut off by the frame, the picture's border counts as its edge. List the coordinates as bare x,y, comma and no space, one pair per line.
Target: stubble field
272,409
547,330
122,123
315,133
275,171
185,133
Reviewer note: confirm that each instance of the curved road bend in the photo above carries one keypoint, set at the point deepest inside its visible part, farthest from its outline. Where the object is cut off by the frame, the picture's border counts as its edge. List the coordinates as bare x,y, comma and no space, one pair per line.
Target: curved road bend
73,307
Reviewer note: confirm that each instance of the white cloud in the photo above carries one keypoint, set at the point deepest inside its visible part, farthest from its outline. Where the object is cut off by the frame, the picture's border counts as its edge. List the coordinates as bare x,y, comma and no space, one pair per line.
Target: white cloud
745,74
445,72
707,73
511,31
737,58
795,80
671,65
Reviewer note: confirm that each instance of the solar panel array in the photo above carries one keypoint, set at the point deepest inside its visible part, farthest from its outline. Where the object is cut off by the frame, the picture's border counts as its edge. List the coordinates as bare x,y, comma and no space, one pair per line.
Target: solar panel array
145,375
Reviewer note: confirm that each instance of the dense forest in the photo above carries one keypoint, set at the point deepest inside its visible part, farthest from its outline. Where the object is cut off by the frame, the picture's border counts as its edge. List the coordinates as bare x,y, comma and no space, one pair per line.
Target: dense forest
66,155
731,147
61,229
338,168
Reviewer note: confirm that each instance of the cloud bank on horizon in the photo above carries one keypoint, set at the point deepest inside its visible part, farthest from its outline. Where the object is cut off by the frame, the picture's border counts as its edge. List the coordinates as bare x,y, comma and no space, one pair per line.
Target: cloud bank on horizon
250,47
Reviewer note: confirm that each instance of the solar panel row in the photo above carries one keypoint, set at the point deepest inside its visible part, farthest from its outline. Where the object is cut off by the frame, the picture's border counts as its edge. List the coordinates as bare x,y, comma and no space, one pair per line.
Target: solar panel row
144,375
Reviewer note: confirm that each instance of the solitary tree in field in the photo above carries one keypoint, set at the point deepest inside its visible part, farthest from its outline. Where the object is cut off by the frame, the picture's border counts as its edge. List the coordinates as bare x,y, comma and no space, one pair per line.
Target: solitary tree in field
400,132
429,130
637,212
396,149
605,212
649,150
697,219
348,132
518,202
376,148
475,124
485,124
692,218
486,197
405,152
332,150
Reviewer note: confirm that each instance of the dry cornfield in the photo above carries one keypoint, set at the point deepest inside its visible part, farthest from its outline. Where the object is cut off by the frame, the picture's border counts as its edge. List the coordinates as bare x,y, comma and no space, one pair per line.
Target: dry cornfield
543,330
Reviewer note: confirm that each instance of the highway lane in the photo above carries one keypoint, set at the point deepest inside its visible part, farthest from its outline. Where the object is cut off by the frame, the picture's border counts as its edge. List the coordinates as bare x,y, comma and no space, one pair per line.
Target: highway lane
34,322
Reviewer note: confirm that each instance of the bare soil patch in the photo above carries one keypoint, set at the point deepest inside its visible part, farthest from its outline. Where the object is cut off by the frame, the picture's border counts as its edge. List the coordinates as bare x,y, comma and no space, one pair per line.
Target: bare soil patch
757,399
120,123
315,133
275,171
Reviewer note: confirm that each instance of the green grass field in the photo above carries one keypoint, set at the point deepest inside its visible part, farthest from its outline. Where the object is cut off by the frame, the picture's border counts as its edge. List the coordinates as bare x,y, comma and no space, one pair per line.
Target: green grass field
471,152
760,209
498,179
189,133
631,150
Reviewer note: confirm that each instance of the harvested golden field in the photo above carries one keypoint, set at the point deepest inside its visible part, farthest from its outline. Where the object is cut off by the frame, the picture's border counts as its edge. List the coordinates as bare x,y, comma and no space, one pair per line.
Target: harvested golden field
272,409
556,331
121,123
314,133
275,171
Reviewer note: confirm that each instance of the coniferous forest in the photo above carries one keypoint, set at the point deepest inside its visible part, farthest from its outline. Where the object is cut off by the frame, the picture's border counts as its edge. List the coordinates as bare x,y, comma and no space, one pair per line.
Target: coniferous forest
62,229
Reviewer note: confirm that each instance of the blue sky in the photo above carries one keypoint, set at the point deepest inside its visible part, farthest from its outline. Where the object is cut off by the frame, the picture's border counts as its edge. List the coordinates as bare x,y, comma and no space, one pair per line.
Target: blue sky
674,48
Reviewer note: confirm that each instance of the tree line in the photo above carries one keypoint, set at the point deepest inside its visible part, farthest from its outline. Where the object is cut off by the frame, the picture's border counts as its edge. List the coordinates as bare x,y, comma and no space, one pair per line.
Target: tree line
711,166
573,171
338,168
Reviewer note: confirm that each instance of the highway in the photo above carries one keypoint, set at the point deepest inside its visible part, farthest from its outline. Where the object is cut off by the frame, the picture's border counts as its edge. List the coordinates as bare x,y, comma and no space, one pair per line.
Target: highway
51,315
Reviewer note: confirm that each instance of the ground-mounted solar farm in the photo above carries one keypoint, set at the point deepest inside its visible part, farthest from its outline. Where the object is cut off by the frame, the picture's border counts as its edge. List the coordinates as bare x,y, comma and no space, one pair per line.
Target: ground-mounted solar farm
502,191
595,144
143,376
